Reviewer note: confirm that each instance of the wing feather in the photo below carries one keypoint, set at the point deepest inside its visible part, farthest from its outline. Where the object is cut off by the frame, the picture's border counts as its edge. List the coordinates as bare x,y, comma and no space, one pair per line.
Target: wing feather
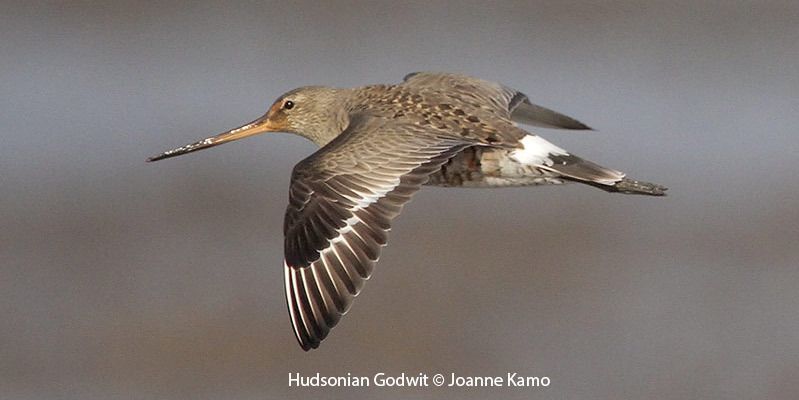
342,201
510,103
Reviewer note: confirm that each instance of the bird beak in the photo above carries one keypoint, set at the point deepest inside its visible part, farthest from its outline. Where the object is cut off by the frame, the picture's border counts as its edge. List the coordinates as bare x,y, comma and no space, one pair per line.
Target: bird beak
260,125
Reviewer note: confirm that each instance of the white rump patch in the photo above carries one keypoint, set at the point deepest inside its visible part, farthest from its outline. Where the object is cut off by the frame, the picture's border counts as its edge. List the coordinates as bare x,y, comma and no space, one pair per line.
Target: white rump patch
536,151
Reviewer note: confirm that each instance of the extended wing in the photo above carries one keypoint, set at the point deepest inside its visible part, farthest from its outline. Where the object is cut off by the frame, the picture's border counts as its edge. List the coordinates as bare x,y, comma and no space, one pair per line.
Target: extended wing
509,102
341,203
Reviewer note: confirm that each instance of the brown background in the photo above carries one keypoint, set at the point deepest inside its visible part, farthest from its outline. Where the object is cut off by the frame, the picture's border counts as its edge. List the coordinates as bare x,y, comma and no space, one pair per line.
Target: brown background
120,279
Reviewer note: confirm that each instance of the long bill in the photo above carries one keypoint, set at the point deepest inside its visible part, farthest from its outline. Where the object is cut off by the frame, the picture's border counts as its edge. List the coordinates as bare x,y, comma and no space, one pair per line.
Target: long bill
260,125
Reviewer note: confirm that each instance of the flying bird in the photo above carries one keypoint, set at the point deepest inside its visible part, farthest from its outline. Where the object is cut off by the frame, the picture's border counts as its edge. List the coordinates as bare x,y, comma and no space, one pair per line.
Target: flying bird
379,145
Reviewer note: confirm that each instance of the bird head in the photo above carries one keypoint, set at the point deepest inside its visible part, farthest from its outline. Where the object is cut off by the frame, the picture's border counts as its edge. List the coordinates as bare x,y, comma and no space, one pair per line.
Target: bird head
312,112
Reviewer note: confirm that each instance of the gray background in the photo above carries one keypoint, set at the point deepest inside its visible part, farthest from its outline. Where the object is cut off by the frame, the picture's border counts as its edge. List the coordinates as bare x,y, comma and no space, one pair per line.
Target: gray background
121,279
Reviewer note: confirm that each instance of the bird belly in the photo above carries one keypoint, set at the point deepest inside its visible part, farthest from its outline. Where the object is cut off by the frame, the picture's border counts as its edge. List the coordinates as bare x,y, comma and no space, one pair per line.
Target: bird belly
482,167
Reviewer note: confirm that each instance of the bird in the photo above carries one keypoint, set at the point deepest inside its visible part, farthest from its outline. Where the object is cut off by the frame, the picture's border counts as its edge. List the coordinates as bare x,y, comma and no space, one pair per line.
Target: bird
381,143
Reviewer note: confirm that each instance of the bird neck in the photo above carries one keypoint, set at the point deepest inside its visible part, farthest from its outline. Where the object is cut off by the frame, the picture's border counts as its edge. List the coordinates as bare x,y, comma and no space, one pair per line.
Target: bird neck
335,119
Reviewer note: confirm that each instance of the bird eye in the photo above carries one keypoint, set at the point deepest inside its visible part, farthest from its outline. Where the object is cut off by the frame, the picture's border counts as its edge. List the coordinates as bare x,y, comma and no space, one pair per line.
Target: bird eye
288,105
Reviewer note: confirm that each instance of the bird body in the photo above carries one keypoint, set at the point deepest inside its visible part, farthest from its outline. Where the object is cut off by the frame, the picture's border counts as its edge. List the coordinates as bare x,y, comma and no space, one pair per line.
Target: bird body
379,145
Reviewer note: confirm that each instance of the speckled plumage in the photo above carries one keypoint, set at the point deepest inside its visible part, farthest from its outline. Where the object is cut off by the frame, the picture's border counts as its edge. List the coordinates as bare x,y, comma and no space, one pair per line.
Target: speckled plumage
379,145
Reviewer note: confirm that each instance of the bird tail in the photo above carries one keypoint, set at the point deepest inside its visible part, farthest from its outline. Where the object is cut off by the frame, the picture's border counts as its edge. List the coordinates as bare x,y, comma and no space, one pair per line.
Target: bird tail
580,170
631,186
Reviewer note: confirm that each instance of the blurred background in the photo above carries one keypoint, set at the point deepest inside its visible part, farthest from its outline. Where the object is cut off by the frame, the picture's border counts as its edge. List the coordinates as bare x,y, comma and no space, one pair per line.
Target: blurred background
122,279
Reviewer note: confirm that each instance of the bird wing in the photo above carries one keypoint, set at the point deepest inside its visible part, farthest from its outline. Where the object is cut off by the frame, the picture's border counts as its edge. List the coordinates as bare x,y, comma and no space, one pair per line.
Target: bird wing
342,200
508,102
